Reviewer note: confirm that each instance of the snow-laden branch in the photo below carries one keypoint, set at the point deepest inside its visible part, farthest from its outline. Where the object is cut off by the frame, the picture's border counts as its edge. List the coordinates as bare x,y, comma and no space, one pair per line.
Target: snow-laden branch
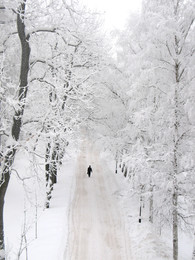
41,61
153,86
108,86
190,169
165,61
20,178
30,121
186,33
181,137
3,132
42,80
57,31
169,51
42,30
84,65
7,38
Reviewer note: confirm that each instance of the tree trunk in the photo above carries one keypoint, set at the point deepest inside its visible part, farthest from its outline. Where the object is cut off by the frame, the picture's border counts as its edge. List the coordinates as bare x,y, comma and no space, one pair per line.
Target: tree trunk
51,164
123,167
125,172
23,87
17,119
116,169
47,173
9,158
175,207
151,203
193,252
54,164
140,210
175,222
175,167
116,159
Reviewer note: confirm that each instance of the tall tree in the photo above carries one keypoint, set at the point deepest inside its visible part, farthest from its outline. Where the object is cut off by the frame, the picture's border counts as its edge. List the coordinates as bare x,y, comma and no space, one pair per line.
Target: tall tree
17,119
57,67
158,52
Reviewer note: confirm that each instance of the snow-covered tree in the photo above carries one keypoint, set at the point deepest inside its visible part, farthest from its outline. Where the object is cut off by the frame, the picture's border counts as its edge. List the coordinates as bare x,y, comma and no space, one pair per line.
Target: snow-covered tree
157,54
59,56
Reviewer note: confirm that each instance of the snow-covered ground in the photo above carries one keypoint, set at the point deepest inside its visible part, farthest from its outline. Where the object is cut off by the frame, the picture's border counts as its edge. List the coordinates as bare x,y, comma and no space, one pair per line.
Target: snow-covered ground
87,218
146,242
51,229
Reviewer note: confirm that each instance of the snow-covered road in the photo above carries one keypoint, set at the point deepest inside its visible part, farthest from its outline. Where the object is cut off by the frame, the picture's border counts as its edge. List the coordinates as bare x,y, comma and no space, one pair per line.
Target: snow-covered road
97,230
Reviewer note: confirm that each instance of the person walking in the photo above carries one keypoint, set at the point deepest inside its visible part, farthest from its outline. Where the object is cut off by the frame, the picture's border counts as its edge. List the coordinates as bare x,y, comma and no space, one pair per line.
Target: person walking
89,171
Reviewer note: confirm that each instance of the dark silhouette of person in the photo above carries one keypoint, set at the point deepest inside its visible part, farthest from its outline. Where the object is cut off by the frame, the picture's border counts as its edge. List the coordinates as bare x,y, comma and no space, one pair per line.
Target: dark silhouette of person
89,170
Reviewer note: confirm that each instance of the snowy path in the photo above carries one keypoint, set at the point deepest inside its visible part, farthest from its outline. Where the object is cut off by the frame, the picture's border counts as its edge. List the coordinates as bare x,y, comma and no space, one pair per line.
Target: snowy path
96,228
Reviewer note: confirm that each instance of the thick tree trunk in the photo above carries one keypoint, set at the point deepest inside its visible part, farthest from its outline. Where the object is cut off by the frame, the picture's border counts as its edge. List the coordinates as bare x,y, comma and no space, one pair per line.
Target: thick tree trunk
23,88
9,158
17,119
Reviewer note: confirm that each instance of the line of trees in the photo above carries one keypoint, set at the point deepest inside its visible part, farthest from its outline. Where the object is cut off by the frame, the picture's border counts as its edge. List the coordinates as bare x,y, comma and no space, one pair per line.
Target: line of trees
156,57
49,55
150,120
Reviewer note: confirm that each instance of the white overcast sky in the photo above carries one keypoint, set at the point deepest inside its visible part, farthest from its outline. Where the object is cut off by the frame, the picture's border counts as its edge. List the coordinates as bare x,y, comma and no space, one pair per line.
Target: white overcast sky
116,11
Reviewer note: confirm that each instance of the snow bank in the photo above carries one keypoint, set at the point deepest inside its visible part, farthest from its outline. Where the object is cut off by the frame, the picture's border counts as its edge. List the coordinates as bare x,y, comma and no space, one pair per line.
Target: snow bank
146,242
51,229
53,223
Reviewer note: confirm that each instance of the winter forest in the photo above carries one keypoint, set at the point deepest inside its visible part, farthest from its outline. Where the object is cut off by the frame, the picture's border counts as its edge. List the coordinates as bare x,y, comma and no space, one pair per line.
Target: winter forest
71,95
